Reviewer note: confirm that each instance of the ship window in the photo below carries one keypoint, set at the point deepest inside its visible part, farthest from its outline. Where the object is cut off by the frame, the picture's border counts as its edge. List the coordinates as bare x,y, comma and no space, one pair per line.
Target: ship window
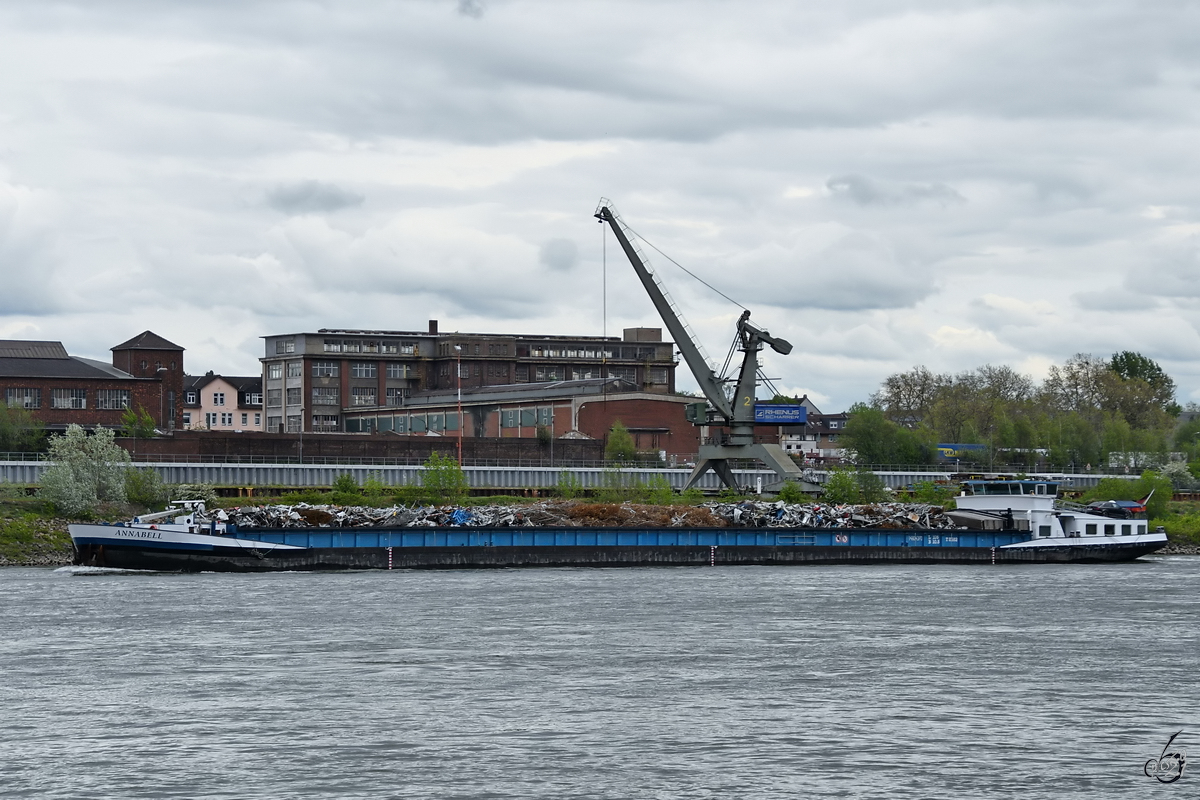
1043,530
1141,529
1090,529
1110,530
1126,530
1041,488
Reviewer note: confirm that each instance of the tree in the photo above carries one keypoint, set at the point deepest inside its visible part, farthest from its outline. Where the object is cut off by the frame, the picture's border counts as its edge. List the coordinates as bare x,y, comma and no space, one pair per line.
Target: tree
85,471
443,479
874,439
620,446
20,430
137,424
1136,367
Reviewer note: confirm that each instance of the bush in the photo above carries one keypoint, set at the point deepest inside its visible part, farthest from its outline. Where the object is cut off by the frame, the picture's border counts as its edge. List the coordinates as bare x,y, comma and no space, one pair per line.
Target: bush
617,486
345,484
86,471
871,487
195,491
692,496
374,487
444,480
842,487
934,494
790,493
659,491
568,486
620,446
144,487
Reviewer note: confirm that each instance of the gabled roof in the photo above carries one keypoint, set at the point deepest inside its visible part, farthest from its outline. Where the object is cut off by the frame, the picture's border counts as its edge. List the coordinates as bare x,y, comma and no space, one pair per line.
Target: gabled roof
147,340
19,348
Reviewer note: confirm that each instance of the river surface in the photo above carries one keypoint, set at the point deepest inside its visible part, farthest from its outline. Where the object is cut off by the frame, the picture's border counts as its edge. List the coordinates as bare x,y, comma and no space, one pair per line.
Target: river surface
941,681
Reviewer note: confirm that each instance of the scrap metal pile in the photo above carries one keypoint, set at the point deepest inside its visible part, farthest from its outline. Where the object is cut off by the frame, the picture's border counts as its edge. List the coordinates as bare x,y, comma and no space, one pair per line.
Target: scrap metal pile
574,514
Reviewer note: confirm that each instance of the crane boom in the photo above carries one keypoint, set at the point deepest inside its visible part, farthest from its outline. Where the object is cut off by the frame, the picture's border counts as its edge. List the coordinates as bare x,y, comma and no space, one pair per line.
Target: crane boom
709,384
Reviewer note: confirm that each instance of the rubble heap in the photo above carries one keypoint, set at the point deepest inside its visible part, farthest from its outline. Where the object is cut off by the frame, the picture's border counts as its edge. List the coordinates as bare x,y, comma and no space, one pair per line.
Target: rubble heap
577,514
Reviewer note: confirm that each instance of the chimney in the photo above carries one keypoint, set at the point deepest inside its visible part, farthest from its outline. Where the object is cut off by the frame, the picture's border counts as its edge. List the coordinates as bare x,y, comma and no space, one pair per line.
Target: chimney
433,326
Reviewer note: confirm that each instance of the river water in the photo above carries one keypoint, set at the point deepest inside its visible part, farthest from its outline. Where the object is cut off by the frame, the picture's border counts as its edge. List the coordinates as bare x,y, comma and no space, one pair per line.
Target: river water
1036,681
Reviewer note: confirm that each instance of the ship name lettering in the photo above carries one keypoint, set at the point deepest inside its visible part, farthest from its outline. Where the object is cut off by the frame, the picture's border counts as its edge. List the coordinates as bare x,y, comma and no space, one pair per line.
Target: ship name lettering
139,534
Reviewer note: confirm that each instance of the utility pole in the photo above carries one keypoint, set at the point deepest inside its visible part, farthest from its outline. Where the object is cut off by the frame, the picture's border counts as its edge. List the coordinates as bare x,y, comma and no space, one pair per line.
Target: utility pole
458,370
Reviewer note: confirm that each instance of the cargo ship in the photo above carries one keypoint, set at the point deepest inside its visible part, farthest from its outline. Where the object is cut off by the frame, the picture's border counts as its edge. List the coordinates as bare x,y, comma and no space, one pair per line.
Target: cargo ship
1002,522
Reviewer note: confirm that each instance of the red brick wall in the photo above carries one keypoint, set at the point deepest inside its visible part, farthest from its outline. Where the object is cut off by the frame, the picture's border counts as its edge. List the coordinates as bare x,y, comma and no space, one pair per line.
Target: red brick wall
143,394
596,418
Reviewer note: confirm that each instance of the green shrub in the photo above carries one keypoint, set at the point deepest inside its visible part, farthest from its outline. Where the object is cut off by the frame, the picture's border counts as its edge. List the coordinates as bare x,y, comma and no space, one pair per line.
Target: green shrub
659,492
617,486
568,485
86,471
144,487
934,494
194,491
692,496
313,497
790,492
345,484
842,487
444,480
871,487
374,487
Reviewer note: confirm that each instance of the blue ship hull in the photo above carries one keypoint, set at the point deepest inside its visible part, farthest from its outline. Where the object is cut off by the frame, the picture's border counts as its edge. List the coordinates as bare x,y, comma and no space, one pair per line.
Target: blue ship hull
466,548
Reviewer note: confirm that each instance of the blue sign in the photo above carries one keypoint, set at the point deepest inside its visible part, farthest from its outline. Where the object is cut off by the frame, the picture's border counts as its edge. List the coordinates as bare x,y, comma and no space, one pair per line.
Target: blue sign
780,414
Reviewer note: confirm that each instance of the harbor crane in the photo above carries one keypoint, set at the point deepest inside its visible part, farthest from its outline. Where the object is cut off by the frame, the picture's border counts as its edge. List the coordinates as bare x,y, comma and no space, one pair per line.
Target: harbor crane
736,413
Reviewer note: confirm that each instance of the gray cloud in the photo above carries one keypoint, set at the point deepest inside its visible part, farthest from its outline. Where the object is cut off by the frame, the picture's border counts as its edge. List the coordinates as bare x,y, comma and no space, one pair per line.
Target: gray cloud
867,192
311,197
559,254
471,8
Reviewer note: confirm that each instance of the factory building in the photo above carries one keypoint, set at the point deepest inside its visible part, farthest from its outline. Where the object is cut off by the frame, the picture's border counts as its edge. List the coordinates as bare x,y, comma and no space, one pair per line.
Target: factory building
318,381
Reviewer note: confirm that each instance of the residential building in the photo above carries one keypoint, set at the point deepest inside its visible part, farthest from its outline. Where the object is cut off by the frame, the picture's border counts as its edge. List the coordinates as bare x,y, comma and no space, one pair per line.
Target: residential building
60,389
314,381
818,440
223,402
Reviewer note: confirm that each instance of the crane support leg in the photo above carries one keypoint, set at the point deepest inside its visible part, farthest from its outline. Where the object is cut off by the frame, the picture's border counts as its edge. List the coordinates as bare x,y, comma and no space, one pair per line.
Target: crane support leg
717,458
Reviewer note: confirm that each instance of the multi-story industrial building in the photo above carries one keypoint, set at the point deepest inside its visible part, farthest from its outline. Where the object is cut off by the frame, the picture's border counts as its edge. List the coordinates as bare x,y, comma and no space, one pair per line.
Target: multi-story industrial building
313,381
59,389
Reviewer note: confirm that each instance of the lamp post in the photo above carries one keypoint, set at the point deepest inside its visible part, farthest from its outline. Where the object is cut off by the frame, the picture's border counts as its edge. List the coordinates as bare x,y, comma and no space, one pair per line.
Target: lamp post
458,371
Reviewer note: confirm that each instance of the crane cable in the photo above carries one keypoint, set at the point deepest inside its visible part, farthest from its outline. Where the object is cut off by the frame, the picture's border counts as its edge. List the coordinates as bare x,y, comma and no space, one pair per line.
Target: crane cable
685,269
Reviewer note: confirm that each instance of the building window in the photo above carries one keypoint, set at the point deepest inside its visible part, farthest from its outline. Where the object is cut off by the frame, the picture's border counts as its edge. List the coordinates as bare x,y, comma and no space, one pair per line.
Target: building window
333,345
274,371
112,398
285,346
254,398
226,419
362,396
295,369
398,371
325,369
351,346
408,348
274,397
362,369
658,375
218,398
293,396
624,373
23,398
549,374
187,418
274,424
464,370
245,419
210,420
258,420
370,347
68,398
325,422
387,347
190,397
395,397
293,423
325,396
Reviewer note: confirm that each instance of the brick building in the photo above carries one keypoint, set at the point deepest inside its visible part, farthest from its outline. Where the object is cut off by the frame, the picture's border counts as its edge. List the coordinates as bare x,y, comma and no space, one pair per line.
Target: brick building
60,389
315,381
222,402
579,409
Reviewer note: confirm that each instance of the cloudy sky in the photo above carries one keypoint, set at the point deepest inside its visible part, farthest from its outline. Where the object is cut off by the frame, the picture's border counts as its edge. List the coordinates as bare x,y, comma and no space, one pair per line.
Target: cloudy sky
885,184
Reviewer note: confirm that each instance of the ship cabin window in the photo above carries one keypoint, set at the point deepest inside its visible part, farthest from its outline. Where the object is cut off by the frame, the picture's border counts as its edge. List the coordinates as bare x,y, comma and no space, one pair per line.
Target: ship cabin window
1040,489
1090,529
1141,529
1126,530
1043,530
1110,530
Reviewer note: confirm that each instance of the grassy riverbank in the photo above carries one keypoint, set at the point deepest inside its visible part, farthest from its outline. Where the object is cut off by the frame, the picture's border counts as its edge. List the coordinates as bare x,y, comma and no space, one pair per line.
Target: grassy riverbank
32,535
